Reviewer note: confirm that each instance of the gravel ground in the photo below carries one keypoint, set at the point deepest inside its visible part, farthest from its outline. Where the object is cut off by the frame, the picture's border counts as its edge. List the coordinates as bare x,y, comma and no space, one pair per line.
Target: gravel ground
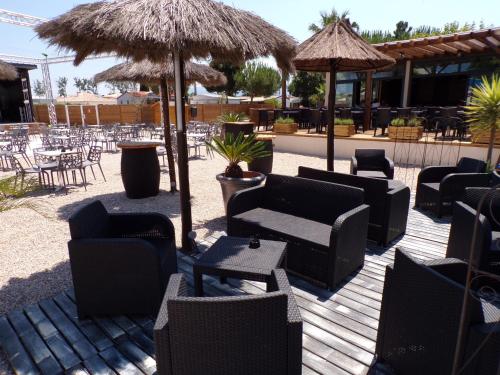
34,259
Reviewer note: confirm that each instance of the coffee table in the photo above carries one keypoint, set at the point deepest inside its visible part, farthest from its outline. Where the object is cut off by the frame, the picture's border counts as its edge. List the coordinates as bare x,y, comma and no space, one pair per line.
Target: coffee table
232,257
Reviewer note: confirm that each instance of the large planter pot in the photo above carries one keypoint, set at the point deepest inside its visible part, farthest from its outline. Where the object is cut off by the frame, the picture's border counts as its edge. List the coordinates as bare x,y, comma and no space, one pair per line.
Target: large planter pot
263,165
234,128
230,185
285,128
483,136
344,130
408,133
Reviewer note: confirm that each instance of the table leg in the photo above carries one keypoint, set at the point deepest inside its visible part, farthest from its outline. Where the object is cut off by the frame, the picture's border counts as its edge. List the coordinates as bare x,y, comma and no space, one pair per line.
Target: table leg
198,283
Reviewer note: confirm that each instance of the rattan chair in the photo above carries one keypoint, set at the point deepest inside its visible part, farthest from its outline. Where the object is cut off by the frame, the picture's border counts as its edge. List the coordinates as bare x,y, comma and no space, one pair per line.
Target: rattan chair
94,158
372,163
250,334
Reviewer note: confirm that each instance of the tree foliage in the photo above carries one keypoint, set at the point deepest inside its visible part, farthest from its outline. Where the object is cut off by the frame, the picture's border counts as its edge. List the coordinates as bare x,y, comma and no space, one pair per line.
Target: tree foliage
121,87
328,18
305,85
230,72
85,85
62,83
38,88
257,79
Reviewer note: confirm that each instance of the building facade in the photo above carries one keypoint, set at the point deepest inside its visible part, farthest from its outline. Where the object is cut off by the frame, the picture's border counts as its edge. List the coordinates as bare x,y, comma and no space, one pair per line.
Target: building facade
16,103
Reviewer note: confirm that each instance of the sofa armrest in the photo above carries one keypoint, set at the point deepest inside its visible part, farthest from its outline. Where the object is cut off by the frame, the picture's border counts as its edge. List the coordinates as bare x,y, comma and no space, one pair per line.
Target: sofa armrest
177,287
396,212
141,225
348,242
244,200
354,165
389,168
434,174
453,269
279,282
454,184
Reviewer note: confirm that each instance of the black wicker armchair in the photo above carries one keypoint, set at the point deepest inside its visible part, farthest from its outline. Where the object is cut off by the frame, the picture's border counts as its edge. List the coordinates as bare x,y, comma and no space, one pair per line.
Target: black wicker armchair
420,317
250,334
487,241
324,224
372,163
438,187
388,205
120,263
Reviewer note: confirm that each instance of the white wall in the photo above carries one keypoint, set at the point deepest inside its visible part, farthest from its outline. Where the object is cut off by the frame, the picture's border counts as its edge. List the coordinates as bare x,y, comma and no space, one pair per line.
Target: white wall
406,153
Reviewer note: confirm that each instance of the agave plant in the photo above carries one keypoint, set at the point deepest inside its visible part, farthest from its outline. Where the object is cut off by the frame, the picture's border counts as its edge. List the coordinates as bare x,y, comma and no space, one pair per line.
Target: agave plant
232,117
484,109
238,149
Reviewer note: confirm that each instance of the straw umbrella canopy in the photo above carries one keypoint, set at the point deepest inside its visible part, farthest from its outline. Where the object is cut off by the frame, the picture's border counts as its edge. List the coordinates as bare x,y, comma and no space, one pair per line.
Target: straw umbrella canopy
153,29
334,49
146,71
7,71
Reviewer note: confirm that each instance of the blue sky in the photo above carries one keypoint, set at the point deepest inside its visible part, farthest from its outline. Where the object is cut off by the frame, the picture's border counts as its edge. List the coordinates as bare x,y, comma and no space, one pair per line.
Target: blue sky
294,16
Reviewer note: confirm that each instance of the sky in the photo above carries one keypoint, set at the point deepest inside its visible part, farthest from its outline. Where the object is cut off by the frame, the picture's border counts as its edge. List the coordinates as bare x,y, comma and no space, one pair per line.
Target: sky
293,16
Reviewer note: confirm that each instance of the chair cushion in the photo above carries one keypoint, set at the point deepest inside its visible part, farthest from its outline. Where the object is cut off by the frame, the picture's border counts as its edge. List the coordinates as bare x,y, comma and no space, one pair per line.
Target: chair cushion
373,174
431,185
370,159
296,228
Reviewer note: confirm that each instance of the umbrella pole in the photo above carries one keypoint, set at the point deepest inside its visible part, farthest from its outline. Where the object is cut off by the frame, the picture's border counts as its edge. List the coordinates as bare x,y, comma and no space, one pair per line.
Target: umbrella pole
182,155
331,117
166,133
283,89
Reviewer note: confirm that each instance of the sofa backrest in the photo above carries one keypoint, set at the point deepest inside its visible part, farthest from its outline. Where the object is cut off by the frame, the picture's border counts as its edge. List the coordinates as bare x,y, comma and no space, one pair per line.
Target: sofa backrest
232,333
469,165
310,199
491,205
370,159
89,221
375,188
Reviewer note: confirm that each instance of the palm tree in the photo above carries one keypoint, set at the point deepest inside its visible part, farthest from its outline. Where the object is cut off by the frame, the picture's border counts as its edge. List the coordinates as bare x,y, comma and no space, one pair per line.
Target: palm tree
331,17
484,109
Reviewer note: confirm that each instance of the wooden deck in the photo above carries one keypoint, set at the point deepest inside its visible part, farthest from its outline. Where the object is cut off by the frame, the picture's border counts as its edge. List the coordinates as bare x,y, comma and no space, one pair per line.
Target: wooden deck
340,328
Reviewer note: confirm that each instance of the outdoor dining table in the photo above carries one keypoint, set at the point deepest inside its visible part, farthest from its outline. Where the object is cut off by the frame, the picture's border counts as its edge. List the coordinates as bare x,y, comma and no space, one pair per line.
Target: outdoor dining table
4,143
140,168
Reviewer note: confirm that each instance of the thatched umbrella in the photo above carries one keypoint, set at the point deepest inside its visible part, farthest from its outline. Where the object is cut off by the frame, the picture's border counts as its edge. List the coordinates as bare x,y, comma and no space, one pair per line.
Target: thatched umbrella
153,29
7,71
334,49
162,74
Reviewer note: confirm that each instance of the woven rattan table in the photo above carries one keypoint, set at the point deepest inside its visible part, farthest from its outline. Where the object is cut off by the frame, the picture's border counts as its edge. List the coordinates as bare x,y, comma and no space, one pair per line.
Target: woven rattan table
232,257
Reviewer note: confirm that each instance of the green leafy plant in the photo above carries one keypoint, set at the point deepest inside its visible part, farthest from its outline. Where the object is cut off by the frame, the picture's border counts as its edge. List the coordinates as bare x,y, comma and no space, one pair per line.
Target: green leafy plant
414,122
344,121
273,101
232,117
238,149
484,109
398,121
285,120
256,79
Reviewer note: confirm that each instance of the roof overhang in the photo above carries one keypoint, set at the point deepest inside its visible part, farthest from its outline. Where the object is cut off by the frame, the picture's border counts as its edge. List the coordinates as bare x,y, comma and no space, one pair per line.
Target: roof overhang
457,44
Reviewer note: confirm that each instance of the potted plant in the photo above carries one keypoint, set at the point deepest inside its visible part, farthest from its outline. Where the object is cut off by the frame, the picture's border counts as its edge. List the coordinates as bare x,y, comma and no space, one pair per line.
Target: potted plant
285,125
344,127
235,123
406,129
235,150
484,113
263,164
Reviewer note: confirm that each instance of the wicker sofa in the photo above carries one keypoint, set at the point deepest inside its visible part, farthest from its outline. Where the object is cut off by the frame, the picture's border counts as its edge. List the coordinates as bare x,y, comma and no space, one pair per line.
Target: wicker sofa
438,187
369,162
420,315
324,224
120,263
487,242
388,207
250,334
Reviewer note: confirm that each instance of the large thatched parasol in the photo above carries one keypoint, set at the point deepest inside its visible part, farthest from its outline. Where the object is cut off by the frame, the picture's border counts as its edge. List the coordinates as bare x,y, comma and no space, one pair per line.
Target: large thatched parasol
146,71
7,71
338,48
153,29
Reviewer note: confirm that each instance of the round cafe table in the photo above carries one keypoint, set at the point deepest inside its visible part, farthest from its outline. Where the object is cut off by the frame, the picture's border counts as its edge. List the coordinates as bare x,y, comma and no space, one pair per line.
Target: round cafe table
140,169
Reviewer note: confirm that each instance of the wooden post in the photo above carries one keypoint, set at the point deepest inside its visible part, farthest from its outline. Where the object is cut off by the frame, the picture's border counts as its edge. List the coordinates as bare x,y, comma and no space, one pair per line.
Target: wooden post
406,84
368,100
67,115
182,155
283,89
166,134
97,119
82,115
327,88
331,117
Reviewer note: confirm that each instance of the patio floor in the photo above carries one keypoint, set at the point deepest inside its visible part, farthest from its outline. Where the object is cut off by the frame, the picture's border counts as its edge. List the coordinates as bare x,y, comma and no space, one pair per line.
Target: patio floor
340,327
